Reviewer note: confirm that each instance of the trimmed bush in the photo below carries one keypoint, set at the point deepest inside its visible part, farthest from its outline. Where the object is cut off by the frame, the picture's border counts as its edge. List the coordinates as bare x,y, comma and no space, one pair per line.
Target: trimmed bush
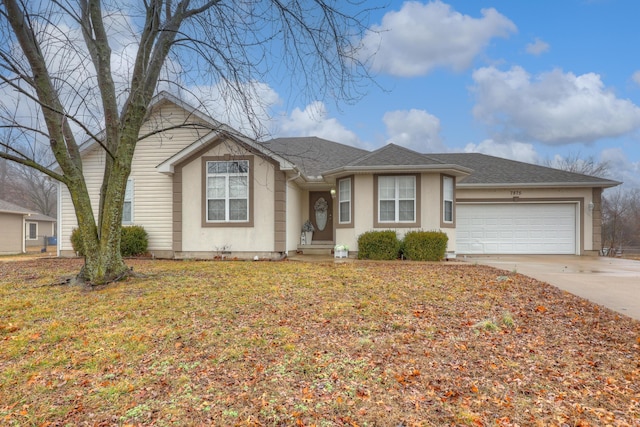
134,241
425,245
378,245
76,242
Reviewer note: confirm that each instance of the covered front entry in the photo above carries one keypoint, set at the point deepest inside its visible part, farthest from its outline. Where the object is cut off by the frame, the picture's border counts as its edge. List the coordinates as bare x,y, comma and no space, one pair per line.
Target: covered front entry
516,228
321,215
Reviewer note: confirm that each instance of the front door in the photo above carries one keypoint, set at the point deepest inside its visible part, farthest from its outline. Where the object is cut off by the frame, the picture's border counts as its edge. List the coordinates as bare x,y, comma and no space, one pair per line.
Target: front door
321,215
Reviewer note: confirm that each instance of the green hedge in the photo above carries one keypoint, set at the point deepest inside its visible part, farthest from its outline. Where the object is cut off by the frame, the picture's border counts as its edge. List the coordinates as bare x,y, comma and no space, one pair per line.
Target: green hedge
76,242
134,241
378,245
425,245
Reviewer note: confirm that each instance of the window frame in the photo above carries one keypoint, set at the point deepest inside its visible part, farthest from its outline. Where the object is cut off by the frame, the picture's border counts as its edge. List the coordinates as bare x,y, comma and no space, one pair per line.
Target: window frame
129,200
444,223
417,199
205,175
28,230
350,201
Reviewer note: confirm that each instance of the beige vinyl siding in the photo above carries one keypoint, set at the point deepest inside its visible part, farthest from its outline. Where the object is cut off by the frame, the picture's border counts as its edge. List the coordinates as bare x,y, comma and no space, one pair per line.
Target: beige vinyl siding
93,169
11,229
152,202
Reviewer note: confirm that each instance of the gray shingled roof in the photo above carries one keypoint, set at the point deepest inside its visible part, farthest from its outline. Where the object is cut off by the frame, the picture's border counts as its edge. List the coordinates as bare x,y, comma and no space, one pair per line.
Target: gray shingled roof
396,155
13,208
314,155
495,170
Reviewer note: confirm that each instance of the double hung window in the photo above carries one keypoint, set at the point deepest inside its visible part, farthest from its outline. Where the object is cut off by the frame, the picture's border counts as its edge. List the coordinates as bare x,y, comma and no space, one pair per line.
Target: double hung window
32,230
227,193
127,207
344,200
396,199
447,199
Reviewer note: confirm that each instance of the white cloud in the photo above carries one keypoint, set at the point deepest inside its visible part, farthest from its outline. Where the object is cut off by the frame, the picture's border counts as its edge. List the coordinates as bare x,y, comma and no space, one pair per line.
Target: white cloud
520,151
415,129
554,107
248,113
420,37
621,168
636,77
314,120
538,47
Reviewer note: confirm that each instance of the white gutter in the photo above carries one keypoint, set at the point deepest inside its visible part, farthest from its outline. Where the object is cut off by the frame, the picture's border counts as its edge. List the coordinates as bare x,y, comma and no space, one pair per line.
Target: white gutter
539,184
459,170
24,233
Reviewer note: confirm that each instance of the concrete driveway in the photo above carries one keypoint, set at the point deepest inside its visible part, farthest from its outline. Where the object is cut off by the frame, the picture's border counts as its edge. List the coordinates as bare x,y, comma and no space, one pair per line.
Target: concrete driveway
611,282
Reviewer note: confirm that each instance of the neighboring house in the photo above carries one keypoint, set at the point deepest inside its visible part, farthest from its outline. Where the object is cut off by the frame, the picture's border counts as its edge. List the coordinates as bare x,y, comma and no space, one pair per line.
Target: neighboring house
40,232
21,228
204,190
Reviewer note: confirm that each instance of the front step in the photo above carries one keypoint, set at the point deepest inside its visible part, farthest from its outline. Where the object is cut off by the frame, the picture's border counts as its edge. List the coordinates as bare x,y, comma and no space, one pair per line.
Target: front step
316,249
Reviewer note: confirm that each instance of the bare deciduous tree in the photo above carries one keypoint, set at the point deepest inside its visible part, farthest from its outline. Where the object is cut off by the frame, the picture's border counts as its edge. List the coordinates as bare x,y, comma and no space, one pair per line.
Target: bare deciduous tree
574,162
89,69
620,218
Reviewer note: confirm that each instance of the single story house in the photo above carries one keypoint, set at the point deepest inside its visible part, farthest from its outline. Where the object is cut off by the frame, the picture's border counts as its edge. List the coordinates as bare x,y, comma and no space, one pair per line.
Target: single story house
204,190
22,229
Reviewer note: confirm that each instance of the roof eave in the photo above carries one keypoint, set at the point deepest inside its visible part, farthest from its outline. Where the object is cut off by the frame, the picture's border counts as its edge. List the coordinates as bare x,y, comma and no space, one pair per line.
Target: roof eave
454,170
608,184
167,167
15,212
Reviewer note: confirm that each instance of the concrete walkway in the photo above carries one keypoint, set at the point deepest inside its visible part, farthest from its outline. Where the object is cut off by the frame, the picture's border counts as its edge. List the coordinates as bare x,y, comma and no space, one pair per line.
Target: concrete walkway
611,282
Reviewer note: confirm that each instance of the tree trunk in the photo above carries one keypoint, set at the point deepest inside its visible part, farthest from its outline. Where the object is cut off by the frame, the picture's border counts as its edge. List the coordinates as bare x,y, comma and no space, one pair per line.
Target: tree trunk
101,242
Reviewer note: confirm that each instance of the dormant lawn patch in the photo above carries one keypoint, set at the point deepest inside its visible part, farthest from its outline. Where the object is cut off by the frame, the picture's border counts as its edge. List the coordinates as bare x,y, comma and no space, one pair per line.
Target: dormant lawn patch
289,343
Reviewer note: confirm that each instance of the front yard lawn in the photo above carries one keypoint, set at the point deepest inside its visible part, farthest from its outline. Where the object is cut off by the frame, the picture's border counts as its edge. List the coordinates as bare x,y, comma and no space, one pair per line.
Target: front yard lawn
290,343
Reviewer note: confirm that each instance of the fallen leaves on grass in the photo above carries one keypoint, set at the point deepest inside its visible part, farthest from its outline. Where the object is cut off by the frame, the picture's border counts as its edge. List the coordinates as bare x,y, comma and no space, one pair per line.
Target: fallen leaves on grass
240,343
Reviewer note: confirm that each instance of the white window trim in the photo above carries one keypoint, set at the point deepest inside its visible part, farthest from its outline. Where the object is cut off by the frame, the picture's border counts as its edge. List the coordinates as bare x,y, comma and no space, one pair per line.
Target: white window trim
397,200
28,229
227,198
130,200
445,180
346,201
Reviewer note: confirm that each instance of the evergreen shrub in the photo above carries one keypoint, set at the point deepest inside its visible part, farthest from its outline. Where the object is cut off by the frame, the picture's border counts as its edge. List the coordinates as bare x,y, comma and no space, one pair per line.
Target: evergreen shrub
378,245
425,245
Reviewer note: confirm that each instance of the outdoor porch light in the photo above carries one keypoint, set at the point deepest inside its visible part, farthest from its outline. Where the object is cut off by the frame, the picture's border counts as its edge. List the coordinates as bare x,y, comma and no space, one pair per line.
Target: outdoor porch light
333,193
590,206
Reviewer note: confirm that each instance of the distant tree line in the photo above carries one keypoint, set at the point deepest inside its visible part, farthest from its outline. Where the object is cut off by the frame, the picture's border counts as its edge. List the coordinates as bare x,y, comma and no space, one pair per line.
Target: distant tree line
620,205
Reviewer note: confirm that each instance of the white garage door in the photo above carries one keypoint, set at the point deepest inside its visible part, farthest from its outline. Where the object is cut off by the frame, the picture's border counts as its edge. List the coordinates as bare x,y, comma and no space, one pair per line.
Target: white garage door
516,228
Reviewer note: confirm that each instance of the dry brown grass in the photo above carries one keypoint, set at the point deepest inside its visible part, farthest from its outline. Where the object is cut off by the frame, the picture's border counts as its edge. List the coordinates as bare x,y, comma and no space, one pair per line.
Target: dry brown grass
289,343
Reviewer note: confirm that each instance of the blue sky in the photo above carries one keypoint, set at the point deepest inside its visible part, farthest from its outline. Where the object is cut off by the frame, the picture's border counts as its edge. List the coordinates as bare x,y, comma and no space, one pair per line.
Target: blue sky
521,79
527,80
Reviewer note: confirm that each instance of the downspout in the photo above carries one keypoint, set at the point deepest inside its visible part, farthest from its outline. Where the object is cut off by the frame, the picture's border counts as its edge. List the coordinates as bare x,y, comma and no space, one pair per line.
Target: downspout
24,233
286,203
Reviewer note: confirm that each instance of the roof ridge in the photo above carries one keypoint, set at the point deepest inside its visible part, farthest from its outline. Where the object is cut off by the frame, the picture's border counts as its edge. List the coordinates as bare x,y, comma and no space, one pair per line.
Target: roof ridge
389,146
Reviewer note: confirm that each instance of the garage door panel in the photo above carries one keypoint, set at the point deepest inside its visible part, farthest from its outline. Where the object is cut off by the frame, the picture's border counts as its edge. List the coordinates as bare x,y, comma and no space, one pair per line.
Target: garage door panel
516,228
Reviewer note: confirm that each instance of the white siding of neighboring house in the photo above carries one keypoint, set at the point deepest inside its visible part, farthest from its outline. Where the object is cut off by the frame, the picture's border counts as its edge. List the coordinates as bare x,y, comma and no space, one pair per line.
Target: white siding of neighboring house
152,203
584,220
201,241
